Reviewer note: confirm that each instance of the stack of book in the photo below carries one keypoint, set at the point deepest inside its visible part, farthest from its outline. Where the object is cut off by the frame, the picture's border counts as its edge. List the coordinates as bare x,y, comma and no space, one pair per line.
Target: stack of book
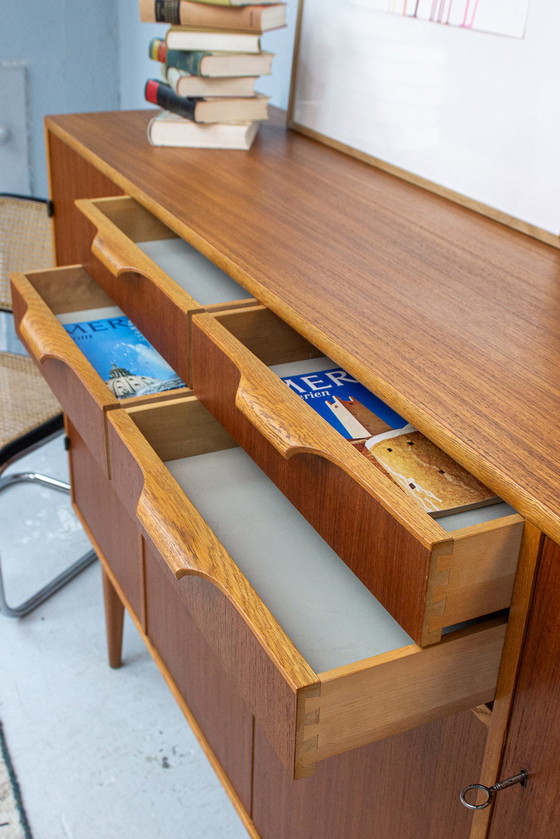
211,60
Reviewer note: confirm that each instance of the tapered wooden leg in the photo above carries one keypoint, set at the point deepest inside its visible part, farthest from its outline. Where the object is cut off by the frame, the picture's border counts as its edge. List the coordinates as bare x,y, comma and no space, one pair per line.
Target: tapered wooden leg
114,622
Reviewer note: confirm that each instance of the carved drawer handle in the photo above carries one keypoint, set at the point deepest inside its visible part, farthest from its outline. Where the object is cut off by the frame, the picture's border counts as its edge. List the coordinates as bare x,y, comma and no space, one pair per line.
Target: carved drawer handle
40,344
521,778
275,419
111,258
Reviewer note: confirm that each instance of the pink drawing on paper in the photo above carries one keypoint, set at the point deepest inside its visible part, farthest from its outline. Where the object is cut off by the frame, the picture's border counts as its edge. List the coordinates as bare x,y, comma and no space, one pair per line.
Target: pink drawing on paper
500,17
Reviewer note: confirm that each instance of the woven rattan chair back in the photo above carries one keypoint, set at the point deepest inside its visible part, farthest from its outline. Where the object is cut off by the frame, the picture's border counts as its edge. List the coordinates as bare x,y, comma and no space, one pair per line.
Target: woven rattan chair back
25,240
29,413
26,401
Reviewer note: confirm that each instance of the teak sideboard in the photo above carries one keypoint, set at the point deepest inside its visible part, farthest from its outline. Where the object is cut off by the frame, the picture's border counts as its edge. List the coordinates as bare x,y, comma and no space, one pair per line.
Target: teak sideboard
452,319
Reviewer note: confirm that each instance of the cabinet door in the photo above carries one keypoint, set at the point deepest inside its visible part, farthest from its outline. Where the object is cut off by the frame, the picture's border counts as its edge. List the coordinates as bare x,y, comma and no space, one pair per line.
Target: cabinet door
404,787
208,691
533,740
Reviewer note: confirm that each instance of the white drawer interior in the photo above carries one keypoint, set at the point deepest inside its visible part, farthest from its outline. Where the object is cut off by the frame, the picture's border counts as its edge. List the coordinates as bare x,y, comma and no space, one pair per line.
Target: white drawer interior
203,280
330,616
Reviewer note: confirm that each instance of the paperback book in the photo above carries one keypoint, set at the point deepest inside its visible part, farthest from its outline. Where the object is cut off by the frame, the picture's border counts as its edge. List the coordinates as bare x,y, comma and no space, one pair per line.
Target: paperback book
181,38
212,64
174,131
123,357
207,109
196,15
413,462
185,84
235,2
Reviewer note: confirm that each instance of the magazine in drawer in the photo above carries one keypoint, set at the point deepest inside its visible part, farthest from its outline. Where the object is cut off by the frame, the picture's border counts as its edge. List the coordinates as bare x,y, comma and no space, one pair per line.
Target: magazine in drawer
322,666
154,274
41,299
429,573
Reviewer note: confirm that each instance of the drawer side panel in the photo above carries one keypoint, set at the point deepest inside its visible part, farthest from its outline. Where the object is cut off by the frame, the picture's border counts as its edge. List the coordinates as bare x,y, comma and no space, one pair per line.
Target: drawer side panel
71,177
397,693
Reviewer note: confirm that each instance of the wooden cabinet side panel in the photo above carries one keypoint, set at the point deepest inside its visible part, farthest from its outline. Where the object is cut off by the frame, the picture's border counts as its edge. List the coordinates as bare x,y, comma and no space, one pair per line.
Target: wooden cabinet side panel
155,313
404,787
533,741
207,689
71,177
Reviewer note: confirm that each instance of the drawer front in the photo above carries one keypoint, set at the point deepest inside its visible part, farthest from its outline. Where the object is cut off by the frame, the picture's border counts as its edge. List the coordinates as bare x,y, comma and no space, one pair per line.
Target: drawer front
425,577
306,716
387,789
128,243
200,572
37,298
114,531
209,691
78,388
155,599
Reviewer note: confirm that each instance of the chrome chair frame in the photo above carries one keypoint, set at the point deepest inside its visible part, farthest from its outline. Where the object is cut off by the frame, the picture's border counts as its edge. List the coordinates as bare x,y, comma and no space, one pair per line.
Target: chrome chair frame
12,451
37,479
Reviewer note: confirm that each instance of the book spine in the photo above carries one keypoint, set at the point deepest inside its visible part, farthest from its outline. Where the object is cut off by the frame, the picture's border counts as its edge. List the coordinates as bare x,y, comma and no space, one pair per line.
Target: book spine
201,16
173,76
165,97
167,11
158,50
222,3
188,60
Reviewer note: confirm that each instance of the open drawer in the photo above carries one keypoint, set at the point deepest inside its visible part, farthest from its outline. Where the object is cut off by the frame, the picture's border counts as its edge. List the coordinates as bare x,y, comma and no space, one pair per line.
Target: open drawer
155,275
429,574
321,665
38,298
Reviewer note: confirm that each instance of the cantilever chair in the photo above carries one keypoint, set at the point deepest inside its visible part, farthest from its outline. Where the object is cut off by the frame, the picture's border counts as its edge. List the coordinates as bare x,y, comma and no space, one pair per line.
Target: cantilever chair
29,413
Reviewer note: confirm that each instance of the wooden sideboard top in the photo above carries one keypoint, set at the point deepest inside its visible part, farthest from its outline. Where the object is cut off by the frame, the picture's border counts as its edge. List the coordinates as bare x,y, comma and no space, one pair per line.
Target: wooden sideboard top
454,319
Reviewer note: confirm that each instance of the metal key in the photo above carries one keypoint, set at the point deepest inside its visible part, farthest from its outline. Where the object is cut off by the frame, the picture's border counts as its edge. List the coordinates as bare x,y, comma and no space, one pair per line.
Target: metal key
521,778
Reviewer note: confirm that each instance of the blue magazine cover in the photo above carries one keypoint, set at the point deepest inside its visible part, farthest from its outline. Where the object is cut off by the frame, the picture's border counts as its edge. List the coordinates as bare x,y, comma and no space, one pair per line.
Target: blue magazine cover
122,356
348,406
421,469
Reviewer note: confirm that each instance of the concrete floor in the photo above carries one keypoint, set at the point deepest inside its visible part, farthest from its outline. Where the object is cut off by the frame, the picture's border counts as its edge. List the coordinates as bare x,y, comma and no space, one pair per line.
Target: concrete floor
99,753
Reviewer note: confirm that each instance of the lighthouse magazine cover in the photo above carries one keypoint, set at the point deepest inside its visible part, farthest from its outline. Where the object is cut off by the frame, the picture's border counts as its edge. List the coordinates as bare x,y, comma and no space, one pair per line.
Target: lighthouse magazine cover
122,356
413,462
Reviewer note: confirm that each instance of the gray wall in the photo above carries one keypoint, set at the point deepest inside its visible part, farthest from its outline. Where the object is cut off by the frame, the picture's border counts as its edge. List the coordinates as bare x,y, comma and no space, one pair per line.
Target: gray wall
69,49
85,55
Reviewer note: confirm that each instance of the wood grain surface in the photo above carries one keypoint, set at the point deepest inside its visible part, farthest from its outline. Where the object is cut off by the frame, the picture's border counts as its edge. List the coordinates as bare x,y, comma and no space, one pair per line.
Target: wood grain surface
116,532
269,672
531,548
405,787
71,177
534,731
449,316
403,689
209,691
399,552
